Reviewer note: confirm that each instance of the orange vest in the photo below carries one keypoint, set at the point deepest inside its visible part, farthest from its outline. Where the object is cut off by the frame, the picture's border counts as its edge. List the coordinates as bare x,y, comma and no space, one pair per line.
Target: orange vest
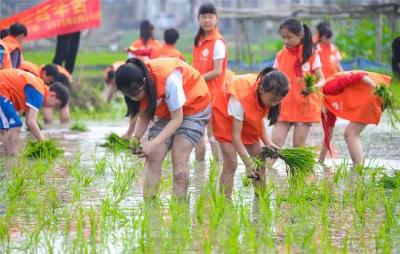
166,50
30,67
139,44
6,63
12,84
203,60
329,60
113,67
357,103
295,107
194,86
13,44
244,89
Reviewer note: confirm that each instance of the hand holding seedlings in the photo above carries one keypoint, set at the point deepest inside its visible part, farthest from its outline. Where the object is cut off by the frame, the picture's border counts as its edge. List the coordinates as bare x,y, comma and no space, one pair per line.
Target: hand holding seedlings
116,143
145,150
309,80
389,103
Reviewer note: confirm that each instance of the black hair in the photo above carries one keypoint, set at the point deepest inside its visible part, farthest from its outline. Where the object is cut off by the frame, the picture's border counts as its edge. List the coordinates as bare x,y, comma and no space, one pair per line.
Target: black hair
204,9
63,80
323,25
61,92
51,70
18,29
324,31
296,27
110,74
276,82
171,36
4,33
396,57
146,31
129,78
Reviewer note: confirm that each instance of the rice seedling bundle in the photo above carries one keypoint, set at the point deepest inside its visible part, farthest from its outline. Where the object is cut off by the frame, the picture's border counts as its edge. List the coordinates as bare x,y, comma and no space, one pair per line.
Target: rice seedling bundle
391,182
389,102
46,149
310,87
298,160
116,143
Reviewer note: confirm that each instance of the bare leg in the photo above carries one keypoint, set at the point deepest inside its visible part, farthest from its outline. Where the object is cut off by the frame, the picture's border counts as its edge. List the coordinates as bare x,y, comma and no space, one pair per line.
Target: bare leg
229,156
64,114
324,149
200,149
279,133
213,143
181,150
12,141
300,134
152,174
352,137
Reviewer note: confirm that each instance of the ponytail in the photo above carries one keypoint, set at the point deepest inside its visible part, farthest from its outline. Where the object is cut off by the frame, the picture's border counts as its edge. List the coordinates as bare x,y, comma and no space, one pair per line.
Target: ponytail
275,82
129,79
308,45
396,57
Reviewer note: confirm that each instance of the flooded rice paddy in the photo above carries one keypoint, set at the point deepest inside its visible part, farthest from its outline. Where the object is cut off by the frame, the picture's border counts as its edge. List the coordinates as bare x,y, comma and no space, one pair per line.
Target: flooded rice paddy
90,201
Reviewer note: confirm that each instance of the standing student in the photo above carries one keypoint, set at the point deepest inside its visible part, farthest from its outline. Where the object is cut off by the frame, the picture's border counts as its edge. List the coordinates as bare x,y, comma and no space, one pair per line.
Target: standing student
210,59
168,49
350,95
296,59
14,41
176,93
143,46
109,79
66,50
238,116
21,91
328,52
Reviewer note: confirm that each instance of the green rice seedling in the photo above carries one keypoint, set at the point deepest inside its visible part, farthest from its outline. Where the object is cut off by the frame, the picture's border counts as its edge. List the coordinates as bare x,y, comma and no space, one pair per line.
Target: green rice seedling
117,144
246,182
47,149
390,103
201,201
100,165
309,80
298,160
390,182
15,188
79,127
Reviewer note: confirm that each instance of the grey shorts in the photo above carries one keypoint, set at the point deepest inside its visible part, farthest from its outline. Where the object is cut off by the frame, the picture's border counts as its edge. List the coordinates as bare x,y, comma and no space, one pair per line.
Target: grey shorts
192,127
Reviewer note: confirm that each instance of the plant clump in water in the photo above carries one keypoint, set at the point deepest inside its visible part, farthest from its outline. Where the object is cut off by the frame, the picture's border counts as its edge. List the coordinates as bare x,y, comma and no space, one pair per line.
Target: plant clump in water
391,182
298,160
309,80
46,149
389,103
80,127
116,143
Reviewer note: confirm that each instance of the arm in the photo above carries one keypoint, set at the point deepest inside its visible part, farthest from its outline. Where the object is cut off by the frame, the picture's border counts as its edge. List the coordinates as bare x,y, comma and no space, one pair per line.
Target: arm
238,144
320,78
14,56
142,122
132,126
217,71
64,114
339,65
338,84
266,139
32,125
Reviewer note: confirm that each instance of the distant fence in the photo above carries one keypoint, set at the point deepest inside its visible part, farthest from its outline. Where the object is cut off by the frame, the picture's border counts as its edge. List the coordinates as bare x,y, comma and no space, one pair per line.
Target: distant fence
355,64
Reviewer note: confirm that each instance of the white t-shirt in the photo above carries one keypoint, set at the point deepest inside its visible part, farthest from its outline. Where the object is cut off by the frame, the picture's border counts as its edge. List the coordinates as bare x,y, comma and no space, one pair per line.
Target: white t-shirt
315,65
219,50
235,109
174,94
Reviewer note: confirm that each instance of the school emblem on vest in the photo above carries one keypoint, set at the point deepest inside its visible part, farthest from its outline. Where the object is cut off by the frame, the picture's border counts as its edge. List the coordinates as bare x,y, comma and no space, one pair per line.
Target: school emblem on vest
305,67
204,53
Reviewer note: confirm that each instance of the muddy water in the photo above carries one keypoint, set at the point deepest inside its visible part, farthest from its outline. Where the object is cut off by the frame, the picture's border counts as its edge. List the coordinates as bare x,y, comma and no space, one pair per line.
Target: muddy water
381,148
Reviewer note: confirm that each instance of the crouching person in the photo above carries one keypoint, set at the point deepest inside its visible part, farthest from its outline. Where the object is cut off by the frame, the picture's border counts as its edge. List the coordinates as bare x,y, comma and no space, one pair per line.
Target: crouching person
177,95
21,91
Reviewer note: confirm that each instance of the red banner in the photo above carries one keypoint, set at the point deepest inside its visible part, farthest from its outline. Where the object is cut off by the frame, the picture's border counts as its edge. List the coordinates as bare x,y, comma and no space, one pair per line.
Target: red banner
55,17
